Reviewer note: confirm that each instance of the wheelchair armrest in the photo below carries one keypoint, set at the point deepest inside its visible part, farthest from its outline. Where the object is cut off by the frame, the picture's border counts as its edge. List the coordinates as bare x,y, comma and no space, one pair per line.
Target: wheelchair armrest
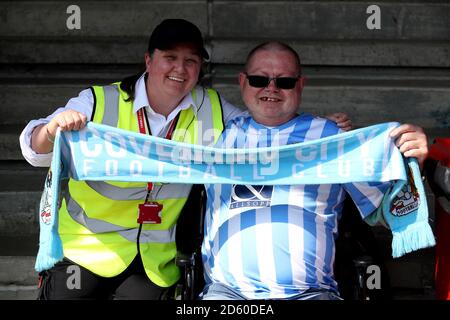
363,261
185,259
185,290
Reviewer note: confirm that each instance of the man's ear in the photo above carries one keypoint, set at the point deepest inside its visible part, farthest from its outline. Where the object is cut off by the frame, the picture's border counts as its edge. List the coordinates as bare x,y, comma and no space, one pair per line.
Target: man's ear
242,78
302,82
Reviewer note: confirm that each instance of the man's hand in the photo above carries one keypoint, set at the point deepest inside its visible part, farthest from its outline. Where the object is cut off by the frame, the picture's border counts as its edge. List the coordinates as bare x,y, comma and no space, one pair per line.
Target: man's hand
412,141
341,119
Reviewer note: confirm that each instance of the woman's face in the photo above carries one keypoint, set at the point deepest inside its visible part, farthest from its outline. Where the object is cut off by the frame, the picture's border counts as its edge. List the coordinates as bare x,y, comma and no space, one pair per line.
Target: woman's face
173,73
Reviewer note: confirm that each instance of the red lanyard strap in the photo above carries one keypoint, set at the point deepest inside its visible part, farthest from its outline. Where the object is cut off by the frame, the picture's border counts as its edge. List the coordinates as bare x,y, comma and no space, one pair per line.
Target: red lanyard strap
140,116
141,124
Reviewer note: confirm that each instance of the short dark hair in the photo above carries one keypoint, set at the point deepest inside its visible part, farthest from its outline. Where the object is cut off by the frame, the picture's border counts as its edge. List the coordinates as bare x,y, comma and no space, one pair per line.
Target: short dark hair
274,45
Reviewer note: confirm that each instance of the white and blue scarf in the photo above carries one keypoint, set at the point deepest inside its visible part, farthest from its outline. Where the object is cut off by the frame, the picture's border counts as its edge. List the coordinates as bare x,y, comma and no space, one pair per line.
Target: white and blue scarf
104,153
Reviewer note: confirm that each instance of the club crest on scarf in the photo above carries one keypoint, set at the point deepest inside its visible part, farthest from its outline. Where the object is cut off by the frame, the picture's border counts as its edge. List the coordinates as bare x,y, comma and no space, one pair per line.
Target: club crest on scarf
408,199
46,200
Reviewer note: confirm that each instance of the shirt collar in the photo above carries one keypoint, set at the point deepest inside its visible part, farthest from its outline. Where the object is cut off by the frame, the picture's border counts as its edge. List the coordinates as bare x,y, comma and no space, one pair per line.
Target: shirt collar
140,94
141,99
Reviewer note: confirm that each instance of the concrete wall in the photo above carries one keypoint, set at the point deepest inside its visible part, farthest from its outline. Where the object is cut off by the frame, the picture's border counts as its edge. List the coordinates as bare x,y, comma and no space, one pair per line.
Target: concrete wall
400,72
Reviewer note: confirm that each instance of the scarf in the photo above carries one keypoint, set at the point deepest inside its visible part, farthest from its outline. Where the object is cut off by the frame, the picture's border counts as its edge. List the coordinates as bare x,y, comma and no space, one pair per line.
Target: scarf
103,153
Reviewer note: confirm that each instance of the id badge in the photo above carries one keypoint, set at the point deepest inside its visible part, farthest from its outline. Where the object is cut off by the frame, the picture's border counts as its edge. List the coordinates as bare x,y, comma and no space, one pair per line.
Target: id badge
149,212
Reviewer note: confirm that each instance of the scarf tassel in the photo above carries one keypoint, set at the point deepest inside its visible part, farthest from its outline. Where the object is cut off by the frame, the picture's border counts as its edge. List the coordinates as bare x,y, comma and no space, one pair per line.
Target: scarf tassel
415,236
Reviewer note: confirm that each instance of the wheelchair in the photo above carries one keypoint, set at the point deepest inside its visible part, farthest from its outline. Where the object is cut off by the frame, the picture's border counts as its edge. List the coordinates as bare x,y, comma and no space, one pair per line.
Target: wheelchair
189,237
356,250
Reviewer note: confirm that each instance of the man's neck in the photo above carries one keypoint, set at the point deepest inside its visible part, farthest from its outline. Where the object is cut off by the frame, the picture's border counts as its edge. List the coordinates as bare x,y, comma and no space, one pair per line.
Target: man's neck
272,123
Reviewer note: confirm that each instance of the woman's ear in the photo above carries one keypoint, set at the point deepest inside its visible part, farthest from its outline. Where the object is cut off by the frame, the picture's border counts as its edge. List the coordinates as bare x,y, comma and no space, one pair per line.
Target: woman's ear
148,60
204,70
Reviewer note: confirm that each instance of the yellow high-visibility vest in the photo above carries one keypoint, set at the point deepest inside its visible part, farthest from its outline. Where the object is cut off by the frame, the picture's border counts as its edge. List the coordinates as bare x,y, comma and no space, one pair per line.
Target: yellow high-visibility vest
98,220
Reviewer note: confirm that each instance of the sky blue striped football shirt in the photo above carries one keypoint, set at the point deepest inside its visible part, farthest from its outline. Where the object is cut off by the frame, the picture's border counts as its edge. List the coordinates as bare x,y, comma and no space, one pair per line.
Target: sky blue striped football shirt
277,241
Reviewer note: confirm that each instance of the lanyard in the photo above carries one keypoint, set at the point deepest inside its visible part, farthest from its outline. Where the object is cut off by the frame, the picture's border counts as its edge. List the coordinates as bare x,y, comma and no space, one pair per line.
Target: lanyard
140,116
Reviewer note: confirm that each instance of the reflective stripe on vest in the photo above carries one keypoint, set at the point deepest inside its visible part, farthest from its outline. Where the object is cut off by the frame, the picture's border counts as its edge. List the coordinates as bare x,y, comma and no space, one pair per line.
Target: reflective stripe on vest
111,117
207,130
99,226
166,191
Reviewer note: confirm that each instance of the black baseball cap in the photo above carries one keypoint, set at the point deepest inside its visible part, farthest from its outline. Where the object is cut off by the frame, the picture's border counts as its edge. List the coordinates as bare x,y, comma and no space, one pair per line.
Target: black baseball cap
171,32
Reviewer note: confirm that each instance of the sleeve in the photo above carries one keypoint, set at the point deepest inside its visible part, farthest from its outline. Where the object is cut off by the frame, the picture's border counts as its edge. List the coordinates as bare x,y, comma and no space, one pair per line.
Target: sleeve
367,196
230,111
83,103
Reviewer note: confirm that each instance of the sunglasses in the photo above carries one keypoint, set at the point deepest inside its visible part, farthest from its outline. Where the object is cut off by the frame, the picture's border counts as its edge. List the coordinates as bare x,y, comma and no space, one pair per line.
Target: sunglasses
281,82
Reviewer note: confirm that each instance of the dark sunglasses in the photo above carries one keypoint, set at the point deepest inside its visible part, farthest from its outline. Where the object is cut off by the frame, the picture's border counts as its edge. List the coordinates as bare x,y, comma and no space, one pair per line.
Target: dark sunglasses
281,82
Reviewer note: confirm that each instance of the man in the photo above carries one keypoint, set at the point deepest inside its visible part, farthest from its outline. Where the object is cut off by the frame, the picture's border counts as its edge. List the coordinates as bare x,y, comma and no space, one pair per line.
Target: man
281,247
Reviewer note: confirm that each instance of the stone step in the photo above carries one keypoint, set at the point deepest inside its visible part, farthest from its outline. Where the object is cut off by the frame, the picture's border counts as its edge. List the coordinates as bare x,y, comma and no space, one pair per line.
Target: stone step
18,279
313,52
47,19
402,53
19,214
21,176
19,244
9,142
34,101
227,73
19,203
318,75
14,292
366,101
17,270
66,73
301,19
329,20
361,92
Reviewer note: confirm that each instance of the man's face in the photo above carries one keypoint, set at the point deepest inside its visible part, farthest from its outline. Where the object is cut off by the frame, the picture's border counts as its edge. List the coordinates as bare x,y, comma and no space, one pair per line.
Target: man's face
271,106
172,73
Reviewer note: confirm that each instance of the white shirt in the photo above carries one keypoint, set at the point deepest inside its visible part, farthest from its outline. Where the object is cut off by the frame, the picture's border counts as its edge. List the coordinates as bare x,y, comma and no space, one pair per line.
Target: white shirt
84,104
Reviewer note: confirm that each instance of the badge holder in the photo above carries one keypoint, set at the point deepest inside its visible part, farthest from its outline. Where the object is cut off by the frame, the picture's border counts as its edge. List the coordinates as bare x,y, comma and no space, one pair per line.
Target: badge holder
149,212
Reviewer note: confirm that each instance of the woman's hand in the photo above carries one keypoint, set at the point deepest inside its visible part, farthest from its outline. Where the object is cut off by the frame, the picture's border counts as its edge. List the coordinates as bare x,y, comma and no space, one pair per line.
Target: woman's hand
341,119
43,136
